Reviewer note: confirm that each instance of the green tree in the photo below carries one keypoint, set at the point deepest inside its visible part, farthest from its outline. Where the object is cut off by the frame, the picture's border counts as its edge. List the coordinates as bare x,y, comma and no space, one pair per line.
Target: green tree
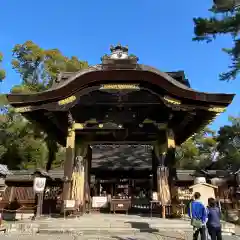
20,147
3,103
2,72
196,152
23,142
229,145
39,67
187,155
225,20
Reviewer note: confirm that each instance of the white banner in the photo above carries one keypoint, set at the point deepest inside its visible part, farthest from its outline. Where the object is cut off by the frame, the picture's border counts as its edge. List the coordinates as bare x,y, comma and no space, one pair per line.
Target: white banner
99,202
39,184
69,203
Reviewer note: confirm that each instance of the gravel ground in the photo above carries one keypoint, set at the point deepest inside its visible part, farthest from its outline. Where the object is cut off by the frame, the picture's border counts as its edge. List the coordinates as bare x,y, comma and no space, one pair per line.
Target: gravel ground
139,236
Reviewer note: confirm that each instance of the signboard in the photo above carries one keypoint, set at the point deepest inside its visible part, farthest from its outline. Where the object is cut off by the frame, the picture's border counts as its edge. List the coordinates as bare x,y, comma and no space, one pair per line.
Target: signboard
92,179
119,87
154,196
39,184
69,203
99,202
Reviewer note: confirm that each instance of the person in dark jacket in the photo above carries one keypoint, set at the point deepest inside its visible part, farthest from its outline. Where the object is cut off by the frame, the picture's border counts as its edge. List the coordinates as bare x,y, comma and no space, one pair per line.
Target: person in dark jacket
214,223
198,211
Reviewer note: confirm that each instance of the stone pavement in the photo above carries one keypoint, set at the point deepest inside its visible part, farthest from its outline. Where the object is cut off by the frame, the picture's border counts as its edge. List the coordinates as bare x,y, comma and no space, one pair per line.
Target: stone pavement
139,236
108,223
102,226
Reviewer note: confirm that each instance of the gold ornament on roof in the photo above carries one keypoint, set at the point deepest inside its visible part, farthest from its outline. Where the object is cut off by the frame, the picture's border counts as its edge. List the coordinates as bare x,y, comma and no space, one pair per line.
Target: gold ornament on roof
172,100
119,86
67,100
217,109
23,109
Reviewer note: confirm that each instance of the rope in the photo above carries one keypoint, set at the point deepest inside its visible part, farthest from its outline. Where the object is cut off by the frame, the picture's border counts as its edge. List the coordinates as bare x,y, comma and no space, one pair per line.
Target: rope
12,211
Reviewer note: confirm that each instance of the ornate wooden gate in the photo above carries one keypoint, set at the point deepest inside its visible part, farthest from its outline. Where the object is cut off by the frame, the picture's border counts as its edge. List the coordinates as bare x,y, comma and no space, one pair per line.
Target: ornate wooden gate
52,199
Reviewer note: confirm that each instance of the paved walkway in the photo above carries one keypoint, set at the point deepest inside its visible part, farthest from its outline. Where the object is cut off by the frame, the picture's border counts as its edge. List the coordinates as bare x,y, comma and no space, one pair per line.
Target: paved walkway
140,236
103,226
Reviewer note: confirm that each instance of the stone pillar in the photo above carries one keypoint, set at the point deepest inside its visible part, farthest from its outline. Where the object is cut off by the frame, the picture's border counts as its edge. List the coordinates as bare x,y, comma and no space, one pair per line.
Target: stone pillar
68,166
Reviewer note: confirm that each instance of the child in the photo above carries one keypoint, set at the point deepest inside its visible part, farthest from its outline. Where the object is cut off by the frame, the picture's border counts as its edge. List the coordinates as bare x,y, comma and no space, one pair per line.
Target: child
214,224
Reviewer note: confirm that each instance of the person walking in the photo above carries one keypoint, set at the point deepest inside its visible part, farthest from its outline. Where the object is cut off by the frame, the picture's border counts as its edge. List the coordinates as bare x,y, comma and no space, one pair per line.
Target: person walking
198,214
214,220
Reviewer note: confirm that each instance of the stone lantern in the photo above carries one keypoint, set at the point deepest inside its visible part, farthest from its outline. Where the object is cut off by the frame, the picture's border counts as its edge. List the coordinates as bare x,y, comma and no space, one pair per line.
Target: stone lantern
226,4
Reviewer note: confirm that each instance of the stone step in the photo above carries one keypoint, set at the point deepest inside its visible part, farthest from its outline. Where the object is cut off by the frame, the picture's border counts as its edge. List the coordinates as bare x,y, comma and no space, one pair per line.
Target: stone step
159,226
105,232
22,227
114,231
102,224
33,228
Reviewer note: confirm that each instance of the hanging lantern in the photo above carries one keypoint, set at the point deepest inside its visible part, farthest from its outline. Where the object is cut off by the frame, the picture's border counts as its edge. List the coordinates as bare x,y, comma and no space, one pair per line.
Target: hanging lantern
237,177
218,181
226,4
198,180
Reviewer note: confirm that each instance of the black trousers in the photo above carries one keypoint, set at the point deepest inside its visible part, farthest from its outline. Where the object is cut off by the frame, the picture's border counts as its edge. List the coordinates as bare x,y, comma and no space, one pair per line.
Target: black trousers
202,232
215,233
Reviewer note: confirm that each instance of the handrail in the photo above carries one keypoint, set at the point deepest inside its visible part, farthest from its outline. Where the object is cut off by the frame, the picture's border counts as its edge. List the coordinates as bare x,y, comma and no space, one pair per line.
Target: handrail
17,210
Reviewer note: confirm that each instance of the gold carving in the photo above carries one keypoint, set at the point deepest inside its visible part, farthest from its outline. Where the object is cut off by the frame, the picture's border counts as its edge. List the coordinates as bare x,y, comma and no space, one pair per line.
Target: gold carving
71,138
170,139
162,126
119,86
23,109
172,100
78,126
91,121
217,109
67,100
147,120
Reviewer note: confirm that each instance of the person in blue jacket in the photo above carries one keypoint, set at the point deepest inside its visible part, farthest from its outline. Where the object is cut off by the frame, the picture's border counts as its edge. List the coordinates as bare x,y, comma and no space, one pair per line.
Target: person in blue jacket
198,211
214,220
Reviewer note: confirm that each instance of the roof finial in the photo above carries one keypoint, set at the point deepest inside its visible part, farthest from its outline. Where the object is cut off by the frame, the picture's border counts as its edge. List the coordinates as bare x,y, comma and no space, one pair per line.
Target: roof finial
119,48
119,52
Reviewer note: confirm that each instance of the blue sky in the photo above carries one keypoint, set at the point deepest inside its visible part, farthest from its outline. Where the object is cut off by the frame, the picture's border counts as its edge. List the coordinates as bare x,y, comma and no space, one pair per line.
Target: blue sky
159,32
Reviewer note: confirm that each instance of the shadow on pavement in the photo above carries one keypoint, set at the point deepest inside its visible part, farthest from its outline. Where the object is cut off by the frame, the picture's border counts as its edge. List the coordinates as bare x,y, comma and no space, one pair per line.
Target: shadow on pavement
143,227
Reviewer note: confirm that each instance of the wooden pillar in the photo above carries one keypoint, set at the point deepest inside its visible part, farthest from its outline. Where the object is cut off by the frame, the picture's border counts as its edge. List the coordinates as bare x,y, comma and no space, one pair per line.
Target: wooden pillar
170,162
79,176
165,154
39,204
162,177
68,166
154,171
88,160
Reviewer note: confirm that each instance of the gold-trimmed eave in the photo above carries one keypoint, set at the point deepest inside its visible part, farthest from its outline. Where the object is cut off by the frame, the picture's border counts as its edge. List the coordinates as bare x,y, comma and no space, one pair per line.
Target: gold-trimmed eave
172,100
67,100
216,112
211,112
119,87
177,104
52,106
143,73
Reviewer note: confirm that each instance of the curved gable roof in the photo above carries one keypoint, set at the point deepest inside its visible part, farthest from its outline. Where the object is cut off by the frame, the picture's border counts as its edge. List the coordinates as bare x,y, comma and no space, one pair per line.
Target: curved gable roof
97,74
